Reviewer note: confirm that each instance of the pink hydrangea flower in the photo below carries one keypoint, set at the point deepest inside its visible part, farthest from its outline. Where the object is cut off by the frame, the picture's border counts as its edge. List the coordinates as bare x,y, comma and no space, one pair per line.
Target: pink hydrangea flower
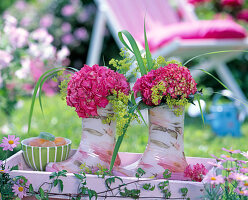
9,143
46,21
213,179
231,151
232,3
90,87
19,190
81,34
197,173
243,15
176,79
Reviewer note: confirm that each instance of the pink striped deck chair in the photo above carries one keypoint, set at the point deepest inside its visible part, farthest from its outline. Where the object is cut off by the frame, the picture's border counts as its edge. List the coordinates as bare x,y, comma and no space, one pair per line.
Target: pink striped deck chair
162,22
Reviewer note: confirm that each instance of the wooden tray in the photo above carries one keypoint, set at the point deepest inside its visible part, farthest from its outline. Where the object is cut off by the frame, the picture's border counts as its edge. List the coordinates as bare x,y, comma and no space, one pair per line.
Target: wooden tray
195,189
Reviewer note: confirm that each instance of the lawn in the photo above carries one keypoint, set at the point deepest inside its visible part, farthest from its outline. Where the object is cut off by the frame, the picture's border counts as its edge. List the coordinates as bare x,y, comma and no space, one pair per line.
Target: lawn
61,120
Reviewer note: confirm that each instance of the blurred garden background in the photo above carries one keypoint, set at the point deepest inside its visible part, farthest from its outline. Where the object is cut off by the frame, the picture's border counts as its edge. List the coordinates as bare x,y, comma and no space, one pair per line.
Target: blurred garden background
37,35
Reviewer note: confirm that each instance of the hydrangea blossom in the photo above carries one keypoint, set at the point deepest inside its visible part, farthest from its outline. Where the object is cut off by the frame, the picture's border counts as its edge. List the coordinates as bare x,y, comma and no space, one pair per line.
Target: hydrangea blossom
196,173
175,79
90,87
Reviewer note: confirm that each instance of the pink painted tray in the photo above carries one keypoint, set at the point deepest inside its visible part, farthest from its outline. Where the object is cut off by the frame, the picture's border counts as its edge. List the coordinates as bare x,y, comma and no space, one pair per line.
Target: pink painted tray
195,189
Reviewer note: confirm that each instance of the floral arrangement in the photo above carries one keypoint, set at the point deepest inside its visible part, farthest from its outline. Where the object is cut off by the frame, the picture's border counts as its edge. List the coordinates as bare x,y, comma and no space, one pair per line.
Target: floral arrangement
24,57
171,84
196,173
90,88
229,180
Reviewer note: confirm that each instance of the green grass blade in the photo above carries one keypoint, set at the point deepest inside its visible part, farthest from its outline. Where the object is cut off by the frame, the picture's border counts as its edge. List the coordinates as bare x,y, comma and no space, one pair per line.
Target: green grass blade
135,50
209,53
199,103
242,102
34,96
148,53
208,73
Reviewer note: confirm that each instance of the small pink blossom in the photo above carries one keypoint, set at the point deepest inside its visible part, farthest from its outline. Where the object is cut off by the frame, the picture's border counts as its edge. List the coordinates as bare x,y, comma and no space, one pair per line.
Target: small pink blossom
66,27
19,190
231,151
232,3
81,34
42,36
46,21
68,39
245,154
227,157
18,37
63,53
213,179
216,164
68,10
5,59
20,5
197,2
90,87
241,192
197,173
9,143
243,170
218,159
238,177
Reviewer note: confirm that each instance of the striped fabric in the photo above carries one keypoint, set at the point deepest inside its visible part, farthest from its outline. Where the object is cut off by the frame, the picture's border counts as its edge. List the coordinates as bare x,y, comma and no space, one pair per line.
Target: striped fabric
38,157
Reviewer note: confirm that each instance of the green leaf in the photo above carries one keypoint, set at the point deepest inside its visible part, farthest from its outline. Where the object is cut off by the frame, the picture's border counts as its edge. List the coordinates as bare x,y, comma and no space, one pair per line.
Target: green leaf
166,174
31,189
140,172
148,53
42,193
34,96
55,182
38,197
199,103
135,50
111,180
79,176
61,185
47,136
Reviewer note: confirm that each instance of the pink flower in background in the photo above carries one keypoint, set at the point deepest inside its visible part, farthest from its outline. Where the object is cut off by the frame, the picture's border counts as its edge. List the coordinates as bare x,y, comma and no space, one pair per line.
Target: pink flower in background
176,79
5,59
197,173
197,2
83,16
20,5
24,71
18,37
228,158
243,15
90,87
238,177
232,3
5,171
243,170
81,34
231,151
68,39
9,143
241,192
46,21
26,21
9,19
42,35
68,10
245,154
63,53
19,190
66,27
213,179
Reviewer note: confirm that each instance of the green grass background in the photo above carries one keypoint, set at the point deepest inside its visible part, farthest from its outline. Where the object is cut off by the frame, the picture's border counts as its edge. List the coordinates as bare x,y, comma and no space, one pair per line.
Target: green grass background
61,120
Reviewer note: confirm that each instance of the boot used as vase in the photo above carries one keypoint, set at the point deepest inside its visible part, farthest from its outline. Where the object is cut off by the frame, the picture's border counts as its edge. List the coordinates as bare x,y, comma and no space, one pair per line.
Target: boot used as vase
96,146
165,148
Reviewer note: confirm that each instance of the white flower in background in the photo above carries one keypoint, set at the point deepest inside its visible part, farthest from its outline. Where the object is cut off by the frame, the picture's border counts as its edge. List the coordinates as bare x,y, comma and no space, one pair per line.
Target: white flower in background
9,19
5,129
42,35
18,37
5,59
63,53
24,72
42,51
